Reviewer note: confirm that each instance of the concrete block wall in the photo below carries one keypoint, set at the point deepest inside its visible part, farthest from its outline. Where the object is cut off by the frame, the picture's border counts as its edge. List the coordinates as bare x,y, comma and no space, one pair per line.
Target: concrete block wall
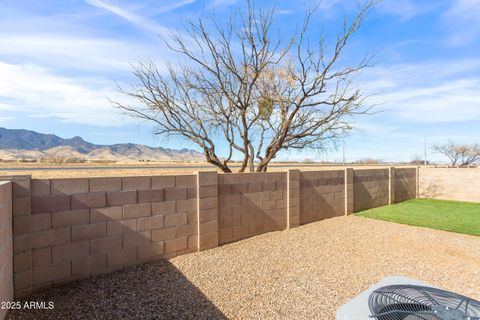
69,229
322,195
251,204
462,184
6,245
405,184
371,188
82,227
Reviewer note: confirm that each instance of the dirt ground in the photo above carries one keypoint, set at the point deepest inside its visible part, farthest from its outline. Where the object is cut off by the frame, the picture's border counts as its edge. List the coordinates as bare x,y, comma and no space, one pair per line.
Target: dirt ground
301,273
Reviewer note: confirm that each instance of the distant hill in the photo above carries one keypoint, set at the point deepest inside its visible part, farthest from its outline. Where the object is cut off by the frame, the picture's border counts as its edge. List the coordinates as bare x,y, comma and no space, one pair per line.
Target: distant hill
20,144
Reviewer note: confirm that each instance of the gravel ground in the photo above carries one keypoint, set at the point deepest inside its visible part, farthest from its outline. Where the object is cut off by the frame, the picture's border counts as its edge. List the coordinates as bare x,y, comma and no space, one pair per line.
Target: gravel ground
302,273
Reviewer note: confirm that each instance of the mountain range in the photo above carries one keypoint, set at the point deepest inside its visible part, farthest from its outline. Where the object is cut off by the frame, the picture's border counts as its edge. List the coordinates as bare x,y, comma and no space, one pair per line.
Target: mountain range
21,144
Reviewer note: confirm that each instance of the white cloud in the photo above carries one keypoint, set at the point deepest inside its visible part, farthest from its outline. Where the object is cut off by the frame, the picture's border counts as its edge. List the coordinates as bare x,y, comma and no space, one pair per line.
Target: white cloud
436,92
407,9
462,21
37,91
136,19
223,2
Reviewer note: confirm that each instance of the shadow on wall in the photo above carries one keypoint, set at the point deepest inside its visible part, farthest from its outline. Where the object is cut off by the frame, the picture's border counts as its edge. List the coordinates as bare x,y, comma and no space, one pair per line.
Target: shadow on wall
250,205
370,191
155,290
322,196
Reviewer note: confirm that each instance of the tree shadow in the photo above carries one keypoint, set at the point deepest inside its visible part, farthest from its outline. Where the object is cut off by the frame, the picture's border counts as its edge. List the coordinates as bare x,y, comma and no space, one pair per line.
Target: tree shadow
154,290
322,196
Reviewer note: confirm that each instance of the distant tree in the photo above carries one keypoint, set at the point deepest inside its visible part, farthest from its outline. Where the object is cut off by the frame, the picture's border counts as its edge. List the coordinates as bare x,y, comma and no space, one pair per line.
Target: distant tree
259,89
417,160
459,154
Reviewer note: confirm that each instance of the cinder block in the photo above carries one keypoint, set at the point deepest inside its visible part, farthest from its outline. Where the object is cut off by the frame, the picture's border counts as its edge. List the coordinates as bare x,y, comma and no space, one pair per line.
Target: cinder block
22,262
137,210
69,186
106,214
136,239
208,227
105,184
50,203
88,264
21,224
164,234
208,203
186,230
145,196
41,257
70,251
176,219
162,182
151,250
150,223
124,226
21,206
186,205
208,241
164,208
22,281
240,232
21,243
135,183
126,256
176,245
176,194
193,242
185,181
209,214
105,245
41,221
224,189
89,200
89,231
210,191
21,188
192,193
118,198
40,187
51,272
61,219
207,178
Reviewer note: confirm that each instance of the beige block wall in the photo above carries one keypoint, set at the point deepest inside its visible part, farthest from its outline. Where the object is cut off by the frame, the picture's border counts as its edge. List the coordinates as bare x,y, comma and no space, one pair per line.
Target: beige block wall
322,195
405,184
6,245
371,188
251,204
69,229
462,184
82,227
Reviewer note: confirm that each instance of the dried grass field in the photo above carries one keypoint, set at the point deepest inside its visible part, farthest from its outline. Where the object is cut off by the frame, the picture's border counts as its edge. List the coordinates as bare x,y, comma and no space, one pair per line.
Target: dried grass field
51,171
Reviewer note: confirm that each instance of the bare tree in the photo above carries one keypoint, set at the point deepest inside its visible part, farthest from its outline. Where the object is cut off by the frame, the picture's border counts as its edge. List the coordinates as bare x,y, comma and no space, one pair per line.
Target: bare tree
459,154
245,82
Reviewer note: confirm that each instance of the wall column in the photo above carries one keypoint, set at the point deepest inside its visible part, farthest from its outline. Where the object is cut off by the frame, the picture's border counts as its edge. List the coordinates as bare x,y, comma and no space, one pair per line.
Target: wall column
207,210
293,198
348,191
391,185
22,250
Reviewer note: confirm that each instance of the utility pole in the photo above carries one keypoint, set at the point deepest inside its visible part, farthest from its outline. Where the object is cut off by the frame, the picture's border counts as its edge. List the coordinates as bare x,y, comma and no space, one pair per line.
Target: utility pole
425,151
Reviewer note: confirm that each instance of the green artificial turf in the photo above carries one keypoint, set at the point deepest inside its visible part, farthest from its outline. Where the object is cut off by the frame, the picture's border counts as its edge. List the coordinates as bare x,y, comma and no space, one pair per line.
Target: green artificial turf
455,216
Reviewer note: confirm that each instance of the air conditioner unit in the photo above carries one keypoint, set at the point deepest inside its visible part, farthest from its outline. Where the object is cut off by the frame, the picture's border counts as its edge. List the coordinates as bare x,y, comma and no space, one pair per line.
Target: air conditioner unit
401,298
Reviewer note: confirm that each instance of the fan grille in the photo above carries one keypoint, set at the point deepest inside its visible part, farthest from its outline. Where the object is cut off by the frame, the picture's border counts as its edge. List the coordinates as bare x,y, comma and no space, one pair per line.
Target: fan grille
409,302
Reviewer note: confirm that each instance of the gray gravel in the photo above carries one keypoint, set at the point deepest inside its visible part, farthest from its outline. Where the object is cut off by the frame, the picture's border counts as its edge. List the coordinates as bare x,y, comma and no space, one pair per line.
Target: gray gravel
306,272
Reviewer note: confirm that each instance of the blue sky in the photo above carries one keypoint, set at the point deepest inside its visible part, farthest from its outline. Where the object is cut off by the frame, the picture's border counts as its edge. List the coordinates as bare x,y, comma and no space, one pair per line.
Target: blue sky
59,60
